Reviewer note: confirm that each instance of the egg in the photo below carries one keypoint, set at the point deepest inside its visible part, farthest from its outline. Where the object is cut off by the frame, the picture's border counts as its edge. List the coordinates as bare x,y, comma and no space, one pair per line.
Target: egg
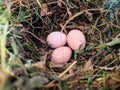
56,39
61,55
76,39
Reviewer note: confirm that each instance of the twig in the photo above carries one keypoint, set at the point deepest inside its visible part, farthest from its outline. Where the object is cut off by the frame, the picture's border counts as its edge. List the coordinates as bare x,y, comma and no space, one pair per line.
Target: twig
16,25
63,73
43,42
77,14
39,4
116,26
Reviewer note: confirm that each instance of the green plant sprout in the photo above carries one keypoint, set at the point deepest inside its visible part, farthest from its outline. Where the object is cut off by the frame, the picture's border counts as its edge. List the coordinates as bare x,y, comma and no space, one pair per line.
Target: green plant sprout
104,45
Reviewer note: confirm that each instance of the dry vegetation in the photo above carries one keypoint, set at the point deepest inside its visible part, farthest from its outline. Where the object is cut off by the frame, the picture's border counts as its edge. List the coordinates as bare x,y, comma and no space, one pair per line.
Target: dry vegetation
25,55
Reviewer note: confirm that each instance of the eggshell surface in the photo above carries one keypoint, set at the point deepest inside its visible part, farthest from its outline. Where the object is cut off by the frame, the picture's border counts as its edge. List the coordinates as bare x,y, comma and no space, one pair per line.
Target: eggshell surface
76,39
61,55
56,39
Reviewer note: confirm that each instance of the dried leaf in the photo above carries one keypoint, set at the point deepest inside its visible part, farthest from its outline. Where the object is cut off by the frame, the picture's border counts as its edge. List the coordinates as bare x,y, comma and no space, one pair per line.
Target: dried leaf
44,10
113,79
39,65
37,81
88,67
5,79
59,2
98,82
89,16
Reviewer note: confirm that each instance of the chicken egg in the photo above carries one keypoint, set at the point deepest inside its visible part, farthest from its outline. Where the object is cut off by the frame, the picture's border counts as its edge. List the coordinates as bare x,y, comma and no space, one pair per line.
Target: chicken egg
56,39
61,55
76,39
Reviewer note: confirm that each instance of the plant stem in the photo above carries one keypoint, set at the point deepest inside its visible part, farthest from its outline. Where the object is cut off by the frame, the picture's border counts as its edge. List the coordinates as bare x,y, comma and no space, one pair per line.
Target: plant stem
3,45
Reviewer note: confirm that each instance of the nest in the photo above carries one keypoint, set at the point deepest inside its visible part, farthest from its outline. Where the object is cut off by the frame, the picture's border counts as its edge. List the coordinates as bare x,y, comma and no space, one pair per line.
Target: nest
93,68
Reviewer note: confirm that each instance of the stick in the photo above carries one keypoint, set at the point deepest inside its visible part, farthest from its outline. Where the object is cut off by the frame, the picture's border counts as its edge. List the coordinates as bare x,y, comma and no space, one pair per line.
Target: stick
62,74
77,14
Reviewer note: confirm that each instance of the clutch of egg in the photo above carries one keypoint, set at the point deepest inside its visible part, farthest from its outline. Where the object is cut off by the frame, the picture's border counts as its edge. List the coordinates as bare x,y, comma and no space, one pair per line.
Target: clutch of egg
62,54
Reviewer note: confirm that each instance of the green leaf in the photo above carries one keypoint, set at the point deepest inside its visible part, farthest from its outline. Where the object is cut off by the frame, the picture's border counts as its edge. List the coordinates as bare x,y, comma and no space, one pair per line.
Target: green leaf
75,56
89,48
30,46
90,79
14,47
104,79
112,43
64,85
3,19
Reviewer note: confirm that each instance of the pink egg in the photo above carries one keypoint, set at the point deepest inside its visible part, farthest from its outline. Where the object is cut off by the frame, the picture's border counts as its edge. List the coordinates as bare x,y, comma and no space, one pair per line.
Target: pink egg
61,55
56,39
76,39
